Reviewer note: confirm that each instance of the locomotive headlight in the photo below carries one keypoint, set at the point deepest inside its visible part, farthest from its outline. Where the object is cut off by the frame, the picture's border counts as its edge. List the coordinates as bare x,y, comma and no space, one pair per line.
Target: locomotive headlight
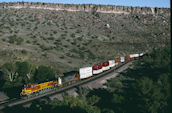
24,91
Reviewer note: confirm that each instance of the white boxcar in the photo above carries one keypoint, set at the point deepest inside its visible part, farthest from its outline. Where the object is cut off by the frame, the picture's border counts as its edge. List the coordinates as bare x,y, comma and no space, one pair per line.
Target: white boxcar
132,56
122,59
111,63
85,72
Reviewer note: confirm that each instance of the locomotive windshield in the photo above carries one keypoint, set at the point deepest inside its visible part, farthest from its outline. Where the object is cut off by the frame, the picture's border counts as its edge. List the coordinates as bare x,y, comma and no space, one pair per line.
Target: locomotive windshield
27,86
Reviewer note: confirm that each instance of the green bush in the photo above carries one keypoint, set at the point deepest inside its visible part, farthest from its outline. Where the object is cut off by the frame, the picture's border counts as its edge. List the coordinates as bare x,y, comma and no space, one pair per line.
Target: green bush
15,39
22,68
44,73
62,57
51,38
24,51
12,39
28,41
72,35
19,41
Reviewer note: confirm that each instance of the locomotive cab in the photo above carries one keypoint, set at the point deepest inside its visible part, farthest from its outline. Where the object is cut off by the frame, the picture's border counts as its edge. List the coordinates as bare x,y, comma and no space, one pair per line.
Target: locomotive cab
27,88
29,85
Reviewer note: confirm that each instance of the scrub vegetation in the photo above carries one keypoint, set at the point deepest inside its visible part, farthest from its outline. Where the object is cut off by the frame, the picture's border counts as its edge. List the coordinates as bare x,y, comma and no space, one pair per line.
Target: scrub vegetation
38,45
69,40
143,88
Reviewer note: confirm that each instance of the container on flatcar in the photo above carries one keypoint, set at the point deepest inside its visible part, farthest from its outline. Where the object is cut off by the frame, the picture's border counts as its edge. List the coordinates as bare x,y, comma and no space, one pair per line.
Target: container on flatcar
122,59
105,66
127,58
85,72
117,60
97,69
111,63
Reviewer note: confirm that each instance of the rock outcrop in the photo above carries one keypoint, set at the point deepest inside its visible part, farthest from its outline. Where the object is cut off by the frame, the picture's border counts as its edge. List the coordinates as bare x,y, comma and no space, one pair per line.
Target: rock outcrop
87,8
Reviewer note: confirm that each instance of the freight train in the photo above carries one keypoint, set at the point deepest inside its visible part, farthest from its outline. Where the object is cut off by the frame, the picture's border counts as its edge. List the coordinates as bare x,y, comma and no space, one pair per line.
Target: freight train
85,72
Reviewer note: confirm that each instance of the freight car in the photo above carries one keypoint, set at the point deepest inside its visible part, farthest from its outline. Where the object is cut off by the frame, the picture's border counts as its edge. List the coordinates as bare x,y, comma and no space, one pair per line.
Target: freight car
85,72
97,69
105,66
111,63
127,58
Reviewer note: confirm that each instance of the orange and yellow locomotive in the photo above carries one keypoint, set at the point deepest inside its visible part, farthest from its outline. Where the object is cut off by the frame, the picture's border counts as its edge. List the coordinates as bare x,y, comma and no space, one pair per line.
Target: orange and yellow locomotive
37,88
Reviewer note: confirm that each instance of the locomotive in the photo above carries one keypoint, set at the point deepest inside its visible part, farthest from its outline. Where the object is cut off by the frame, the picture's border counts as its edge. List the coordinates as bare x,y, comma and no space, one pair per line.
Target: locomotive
33,88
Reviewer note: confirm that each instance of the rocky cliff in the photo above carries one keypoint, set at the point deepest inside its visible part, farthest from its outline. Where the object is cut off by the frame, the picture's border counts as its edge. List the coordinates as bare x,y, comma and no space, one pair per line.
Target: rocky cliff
88,8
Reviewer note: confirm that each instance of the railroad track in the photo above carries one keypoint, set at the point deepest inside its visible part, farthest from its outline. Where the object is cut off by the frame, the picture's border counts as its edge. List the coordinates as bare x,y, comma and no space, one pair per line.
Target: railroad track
68,85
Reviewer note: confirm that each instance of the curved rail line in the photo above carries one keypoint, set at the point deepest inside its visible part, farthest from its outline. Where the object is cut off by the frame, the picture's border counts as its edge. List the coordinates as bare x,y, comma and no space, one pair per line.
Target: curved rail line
68,85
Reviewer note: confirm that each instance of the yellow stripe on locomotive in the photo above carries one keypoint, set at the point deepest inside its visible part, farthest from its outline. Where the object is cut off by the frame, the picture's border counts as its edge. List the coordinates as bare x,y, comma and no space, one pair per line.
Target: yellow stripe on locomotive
33,88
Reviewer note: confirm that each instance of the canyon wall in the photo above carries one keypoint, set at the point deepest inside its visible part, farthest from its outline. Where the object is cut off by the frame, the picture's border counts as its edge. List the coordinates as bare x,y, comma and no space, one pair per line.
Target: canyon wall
87,8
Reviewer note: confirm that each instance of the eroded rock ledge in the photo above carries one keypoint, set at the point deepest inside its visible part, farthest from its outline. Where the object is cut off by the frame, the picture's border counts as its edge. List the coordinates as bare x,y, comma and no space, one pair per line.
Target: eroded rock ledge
87,8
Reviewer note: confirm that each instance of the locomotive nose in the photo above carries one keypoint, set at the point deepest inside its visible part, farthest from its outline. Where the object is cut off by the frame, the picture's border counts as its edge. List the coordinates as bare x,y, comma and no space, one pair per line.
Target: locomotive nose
24,91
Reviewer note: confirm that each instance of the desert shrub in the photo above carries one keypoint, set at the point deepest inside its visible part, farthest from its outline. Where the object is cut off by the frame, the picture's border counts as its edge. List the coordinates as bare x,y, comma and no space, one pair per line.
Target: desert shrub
57,42
66,32
35,28
28,41
43,47
79,39
15,39
19,41
49,23
72,35
12,39
62,57
44,54
16,31
51,38
4,39
46,33
70,62
73,43
65,46
33,36
63,35
55,32
68,54
24,51
78,31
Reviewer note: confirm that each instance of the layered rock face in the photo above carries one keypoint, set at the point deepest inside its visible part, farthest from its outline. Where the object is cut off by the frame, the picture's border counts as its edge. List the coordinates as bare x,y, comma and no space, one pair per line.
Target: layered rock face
88,8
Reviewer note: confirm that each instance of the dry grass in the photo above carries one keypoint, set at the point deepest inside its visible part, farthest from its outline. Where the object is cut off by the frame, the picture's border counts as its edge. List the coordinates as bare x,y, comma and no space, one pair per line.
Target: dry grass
69,40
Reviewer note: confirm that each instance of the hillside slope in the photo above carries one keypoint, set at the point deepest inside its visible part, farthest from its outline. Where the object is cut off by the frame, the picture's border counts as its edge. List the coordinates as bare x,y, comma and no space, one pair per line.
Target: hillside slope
67,40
